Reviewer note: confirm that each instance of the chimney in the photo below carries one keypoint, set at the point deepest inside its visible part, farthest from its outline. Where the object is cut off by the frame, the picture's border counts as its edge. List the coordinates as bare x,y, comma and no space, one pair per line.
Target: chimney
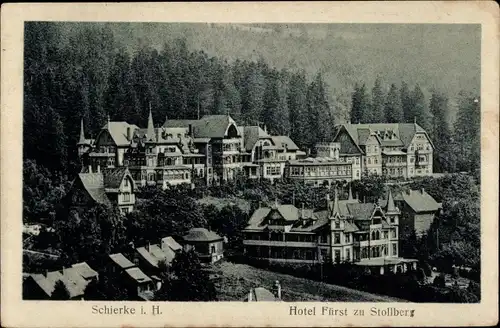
277,290
129,134
302,214
250,295
190,130
90,168
46,273
423,191
98,168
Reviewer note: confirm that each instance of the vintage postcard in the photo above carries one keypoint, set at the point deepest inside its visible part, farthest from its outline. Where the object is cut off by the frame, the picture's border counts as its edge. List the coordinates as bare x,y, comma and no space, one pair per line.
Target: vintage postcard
282,164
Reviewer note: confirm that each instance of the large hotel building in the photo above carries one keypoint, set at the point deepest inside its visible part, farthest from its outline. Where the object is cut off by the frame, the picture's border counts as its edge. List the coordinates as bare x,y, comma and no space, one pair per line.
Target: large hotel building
214,149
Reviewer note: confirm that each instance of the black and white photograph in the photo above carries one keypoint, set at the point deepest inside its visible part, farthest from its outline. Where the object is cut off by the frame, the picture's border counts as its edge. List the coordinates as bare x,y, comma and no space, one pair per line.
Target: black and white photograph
308,164
251,162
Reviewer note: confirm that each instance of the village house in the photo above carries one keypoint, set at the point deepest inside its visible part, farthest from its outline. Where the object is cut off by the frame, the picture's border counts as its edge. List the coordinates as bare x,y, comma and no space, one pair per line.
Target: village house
207,244
392,149
128,275
109,186
418,210
365,234
41,286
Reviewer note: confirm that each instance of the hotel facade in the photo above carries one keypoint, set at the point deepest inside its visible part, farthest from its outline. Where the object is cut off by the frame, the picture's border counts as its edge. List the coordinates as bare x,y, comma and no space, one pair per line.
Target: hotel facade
214,149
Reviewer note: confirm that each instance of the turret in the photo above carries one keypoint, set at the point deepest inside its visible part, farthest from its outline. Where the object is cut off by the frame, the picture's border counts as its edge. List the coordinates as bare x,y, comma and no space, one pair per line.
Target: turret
151,129
81,140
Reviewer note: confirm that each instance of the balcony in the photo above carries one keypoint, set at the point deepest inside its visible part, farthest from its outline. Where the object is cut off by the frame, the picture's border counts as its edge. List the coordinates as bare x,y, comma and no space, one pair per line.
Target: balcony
252,242
395,164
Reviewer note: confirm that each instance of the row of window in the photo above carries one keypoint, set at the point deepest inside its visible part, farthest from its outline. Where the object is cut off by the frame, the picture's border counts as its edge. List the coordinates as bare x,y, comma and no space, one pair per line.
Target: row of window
273,170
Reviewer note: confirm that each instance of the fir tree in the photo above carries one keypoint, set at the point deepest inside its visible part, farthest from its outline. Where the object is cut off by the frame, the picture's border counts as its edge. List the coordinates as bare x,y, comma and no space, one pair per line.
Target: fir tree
377,114
297,104
360,105
393,109
60,292
420,110
440,133
406,103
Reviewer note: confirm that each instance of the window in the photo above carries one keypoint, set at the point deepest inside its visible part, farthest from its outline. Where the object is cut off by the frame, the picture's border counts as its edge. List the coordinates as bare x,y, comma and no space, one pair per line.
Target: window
337,256
385,250
393,233
151,177
323,239
347,238
212,249
126,197
336,237
348,254
395,249
337,224
386,235
392,220
357,174
126,183
357,160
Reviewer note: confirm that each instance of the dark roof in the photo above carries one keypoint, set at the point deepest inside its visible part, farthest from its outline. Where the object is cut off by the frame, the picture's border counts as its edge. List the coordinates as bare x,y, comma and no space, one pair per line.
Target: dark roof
114,177
121,260
360,211
402,133
209,126
201,234
94,185
284,140
252,134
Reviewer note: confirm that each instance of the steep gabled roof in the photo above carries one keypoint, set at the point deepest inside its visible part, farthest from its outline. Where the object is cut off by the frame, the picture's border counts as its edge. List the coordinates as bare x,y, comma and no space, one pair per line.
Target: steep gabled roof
113,177
252,134
94,185
118,132
360,211
420,201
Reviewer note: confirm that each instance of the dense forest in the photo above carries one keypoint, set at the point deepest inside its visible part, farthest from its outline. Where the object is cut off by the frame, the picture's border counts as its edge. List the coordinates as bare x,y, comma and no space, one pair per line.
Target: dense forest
89,72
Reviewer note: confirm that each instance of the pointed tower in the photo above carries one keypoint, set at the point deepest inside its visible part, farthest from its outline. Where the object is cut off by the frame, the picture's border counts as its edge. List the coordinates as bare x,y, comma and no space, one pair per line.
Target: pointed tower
336,208
350,194
151,129
82,134
390,207
391,211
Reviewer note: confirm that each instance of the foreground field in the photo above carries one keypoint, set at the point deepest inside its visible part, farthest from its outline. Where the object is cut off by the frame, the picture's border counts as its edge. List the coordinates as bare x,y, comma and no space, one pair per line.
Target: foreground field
235,280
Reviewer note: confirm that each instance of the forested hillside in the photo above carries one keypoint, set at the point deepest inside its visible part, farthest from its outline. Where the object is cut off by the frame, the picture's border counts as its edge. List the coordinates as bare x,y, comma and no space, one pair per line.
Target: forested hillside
299,81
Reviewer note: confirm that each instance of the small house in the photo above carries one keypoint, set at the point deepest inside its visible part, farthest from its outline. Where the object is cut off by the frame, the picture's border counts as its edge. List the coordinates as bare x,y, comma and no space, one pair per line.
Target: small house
207,244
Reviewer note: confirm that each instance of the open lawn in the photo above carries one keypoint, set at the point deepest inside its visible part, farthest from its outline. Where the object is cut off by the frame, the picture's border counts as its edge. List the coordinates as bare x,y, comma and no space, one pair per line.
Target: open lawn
233,282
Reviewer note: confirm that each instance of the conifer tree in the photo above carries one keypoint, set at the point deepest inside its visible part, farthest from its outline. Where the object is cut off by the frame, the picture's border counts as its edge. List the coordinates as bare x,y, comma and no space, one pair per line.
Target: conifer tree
60,292
440,133
393,109
377,113
406,103
360,105
420,110
467,141
297,103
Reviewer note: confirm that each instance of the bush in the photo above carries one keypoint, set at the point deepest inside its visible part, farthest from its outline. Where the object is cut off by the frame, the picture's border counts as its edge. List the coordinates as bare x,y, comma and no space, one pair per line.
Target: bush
439,281
420,274
427,268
